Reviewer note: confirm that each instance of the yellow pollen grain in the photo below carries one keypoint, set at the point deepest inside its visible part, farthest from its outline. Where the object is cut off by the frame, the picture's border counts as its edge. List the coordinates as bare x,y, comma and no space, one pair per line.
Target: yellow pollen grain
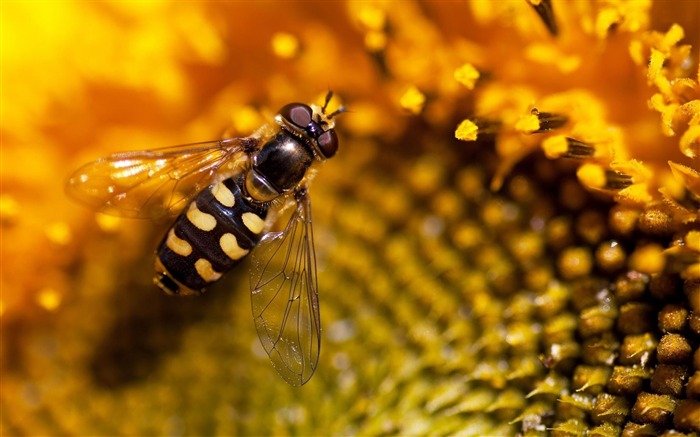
656,61
285,45
667,117
372,18
202,220
673,36
468,236
633,167
636,50
467,131
49,299
692,240
664,85
636,193
253,222
648,259
178,245
555,146
412,100
527,124
467,75
229,244
610,256
575,262
657,102
689,177
59,233
375,41
206,271
223,195
690,142
692,274
592,175
623,220
606,19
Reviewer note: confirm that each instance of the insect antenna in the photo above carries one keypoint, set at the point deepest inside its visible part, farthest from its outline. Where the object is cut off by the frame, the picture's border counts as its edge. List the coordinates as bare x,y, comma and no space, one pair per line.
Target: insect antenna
329,96
340,110
336,112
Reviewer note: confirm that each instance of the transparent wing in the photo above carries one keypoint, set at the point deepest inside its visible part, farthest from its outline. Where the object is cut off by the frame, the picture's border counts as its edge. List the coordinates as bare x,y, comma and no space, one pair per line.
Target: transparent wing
284,293
154,183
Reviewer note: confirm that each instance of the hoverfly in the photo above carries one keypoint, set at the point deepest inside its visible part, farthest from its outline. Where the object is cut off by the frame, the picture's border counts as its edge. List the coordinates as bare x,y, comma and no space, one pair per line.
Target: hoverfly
223,191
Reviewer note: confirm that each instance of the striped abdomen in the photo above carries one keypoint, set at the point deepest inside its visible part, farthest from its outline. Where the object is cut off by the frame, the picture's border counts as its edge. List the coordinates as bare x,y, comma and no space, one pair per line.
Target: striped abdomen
209,238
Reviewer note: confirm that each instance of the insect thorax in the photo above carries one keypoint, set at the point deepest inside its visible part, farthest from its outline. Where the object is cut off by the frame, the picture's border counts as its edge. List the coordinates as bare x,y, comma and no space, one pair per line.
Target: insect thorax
278,167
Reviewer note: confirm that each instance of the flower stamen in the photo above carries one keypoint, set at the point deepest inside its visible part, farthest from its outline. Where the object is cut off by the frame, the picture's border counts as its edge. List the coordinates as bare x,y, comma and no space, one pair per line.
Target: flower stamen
546,13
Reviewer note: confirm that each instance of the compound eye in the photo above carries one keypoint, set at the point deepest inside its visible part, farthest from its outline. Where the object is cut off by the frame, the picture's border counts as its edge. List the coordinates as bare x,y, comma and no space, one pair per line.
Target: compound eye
328,143
298,114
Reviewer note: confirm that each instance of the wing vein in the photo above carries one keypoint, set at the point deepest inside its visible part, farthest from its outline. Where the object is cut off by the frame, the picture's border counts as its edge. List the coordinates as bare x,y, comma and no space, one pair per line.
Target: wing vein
284,299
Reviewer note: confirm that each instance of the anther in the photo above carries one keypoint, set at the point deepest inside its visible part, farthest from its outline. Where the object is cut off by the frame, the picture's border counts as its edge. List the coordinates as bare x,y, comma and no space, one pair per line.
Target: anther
559,146
616,180
546,13
549,120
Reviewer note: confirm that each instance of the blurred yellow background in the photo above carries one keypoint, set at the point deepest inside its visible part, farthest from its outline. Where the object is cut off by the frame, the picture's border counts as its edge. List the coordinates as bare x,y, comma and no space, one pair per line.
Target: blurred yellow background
493,283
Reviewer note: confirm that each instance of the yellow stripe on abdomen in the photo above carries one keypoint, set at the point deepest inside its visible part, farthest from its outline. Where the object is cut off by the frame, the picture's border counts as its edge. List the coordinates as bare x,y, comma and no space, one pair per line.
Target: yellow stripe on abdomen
229,244
253,222
202,220
223,195
178,245
206,271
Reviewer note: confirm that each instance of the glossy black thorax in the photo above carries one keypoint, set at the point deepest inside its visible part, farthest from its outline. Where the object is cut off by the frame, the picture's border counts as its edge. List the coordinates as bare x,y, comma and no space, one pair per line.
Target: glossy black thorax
283,161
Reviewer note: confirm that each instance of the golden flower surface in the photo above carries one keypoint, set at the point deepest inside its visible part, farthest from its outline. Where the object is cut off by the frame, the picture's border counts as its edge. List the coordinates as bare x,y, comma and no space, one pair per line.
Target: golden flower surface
508,239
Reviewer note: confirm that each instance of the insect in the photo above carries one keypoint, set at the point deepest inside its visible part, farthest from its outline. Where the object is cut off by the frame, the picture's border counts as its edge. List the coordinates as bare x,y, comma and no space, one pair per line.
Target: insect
223,191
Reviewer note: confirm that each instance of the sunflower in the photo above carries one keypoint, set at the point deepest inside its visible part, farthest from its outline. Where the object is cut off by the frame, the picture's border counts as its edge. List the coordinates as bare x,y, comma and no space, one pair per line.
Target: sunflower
508,241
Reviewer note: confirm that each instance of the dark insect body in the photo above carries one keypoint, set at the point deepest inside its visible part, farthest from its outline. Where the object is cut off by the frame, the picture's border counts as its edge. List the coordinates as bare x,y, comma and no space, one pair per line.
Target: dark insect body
217,230
225,190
